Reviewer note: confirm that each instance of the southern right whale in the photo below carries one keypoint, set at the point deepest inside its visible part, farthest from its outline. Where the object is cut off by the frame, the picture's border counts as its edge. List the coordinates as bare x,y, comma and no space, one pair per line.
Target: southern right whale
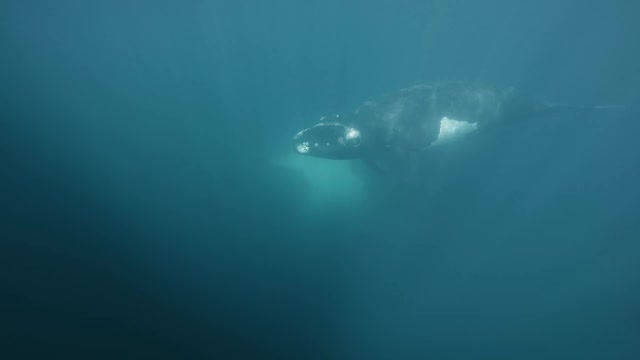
403,124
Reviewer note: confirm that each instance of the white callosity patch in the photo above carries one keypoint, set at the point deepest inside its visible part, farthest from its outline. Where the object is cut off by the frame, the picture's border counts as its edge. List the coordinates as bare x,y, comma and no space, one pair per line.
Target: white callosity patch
352,137
303,148
453,129
352,134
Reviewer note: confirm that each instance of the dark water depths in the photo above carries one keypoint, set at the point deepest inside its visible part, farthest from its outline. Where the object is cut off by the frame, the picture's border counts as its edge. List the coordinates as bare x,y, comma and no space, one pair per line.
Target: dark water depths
152,207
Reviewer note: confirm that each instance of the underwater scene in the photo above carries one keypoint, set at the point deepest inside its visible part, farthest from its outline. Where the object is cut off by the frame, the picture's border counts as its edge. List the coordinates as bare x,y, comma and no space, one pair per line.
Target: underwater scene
406,179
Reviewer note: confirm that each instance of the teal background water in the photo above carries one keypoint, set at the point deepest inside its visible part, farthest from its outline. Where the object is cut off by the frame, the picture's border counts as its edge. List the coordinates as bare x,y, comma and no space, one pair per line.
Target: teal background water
152,206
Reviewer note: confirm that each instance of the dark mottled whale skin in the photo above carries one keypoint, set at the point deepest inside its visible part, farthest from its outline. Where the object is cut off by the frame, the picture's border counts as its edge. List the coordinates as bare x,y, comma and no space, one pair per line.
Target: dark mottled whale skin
399,125
410,119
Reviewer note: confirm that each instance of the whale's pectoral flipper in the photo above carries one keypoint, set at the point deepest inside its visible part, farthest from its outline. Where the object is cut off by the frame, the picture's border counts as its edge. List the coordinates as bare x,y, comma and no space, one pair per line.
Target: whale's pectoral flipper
451,129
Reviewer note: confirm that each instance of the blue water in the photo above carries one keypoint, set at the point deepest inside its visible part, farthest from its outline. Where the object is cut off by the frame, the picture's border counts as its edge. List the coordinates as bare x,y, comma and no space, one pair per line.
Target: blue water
152,206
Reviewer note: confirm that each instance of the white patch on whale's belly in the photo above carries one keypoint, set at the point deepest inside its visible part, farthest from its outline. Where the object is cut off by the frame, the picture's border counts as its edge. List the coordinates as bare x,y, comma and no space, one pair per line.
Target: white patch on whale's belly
451,130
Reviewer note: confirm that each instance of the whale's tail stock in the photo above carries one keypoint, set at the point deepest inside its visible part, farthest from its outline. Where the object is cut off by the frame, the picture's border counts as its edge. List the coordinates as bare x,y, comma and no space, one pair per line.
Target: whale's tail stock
556,108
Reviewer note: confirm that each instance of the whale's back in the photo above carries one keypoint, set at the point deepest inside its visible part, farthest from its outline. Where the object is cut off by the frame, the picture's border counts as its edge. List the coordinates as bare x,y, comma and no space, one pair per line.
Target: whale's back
411,118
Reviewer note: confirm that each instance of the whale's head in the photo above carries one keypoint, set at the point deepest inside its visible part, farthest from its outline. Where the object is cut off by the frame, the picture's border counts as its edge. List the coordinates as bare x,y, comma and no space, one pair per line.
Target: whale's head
329,140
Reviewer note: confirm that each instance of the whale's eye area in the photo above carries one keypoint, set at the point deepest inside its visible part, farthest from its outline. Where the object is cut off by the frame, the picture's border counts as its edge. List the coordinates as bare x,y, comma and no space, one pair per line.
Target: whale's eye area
352,137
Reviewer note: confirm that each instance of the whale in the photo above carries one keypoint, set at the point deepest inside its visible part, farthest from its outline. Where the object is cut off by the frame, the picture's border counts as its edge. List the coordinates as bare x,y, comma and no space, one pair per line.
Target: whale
401,126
